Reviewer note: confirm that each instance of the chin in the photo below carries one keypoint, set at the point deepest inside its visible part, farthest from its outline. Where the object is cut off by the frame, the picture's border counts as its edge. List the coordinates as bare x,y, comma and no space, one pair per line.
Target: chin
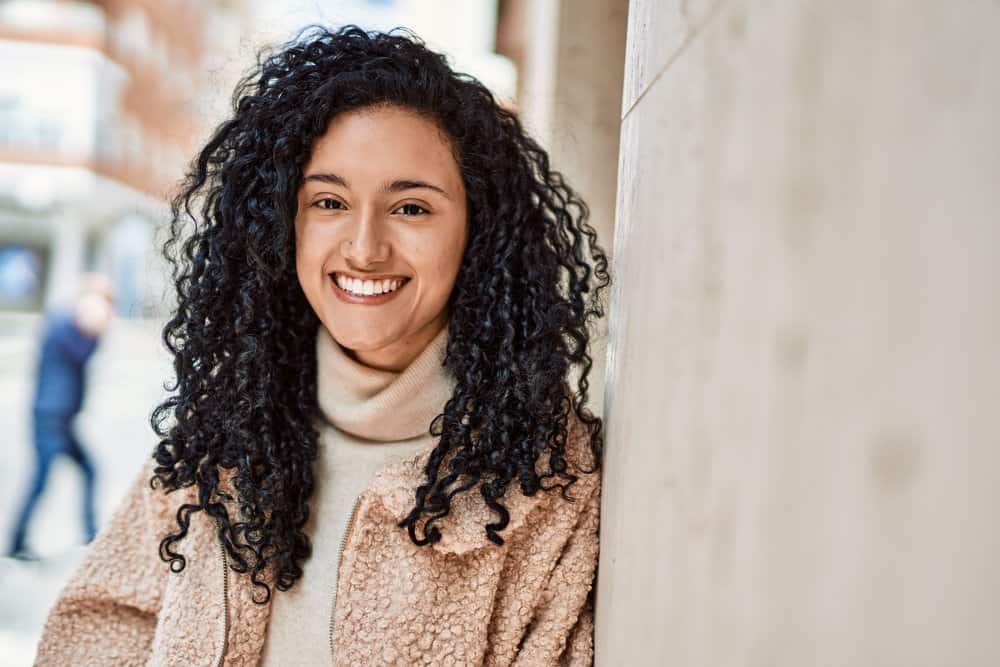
360,341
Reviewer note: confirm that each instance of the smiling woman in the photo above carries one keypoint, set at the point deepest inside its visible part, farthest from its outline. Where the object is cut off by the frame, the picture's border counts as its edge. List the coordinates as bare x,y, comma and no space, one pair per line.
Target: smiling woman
382,290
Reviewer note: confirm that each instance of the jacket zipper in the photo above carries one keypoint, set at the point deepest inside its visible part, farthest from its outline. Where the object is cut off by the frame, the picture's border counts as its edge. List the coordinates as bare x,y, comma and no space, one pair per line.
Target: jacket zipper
340,559
225,583
225,598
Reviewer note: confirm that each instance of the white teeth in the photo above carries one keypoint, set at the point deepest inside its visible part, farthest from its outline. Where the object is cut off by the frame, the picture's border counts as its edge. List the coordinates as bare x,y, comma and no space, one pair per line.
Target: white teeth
366,287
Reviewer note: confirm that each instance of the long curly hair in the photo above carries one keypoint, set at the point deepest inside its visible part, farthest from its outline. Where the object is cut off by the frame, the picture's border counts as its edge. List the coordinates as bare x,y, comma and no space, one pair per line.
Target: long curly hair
242,335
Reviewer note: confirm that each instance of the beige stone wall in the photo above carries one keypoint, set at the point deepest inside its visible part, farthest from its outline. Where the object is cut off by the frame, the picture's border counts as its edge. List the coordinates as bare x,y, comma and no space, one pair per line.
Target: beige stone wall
803,390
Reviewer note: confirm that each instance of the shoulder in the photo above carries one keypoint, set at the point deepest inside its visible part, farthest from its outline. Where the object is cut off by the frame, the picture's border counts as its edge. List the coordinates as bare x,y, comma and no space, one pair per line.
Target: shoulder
158,506
555,517
581,458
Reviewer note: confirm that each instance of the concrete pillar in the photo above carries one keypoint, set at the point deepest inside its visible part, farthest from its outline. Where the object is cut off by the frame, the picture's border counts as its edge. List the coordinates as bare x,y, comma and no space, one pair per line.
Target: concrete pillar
803,433
571,102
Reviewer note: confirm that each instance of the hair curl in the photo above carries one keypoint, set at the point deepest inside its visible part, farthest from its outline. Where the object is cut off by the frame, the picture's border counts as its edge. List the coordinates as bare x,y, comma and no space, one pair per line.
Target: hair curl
242,334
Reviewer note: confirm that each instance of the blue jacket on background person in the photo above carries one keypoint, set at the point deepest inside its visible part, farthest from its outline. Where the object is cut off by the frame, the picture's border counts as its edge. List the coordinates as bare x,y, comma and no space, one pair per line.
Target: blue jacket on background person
64,353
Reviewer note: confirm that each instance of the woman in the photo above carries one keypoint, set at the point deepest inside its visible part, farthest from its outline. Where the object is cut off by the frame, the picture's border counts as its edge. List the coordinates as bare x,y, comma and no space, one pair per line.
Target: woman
372,445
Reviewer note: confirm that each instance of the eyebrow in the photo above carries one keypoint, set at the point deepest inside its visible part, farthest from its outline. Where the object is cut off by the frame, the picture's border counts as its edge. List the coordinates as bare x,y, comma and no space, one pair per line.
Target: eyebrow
395,186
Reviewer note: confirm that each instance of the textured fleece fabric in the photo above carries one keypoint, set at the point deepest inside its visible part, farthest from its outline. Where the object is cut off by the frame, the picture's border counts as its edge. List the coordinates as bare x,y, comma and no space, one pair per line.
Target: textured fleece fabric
371,418
460,601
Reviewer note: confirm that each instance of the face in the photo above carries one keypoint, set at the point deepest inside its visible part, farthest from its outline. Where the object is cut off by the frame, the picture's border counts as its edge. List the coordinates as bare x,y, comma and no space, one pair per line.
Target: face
380,233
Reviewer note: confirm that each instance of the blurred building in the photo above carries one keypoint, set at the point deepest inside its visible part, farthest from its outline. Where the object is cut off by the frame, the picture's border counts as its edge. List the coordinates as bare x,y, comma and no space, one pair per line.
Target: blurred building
98,116
465,31
103,103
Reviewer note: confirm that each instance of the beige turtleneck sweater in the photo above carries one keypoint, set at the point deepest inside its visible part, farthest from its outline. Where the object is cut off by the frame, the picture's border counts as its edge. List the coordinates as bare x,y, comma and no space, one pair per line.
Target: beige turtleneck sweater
372,418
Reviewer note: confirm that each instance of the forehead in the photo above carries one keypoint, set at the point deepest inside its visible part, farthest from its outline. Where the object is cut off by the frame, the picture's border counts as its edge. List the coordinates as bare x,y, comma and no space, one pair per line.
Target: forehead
384,141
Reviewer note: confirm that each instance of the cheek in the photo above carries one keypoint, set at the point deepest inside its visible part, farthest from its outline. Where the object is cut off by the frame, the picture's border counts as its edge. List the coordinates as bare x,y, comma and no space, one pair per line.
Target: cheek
308,261
444,261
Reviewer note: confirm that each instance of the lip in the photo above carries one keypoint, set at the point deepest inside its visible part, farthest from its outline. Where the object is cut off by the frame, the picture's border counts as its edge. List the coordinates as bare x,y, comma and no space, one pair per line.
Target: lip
367,300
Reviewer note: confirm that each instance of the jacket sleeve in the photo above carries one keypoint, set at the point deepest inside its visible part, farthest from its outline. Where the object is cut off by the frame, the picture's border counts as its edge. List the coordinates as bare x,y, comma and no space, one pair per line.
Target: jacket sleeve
562,629
106,613
580,648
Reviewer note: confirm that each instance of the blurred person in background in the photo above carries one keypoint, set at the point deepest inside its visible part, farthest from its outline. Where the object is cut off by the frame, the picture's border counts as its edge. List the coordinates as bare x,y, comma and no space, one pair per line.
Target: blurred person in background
69,337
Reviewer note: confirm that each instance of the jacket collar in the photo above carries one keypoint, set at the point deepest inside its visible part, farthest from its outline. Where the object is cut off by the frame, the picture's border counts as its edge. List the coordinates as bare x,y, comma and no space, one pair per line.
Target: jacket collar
464,528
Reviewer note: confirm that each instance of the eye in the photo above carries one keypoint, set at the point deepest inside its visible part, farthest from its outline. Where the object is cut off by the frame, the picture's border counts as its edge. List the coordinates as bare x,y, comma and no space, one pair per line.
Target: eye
328,204
412,209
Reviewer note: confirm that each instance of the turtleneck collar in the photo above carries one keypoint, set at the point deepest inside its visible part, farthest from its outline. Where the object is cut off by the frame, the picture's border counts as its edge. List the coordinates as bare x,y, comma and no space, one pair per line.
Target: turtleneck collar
374,404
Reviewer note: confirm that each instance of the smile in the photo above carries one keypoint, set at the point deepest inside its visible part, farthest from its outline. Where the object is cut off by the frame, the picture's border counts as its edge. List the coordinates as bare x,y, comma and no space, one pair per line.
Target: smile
370,292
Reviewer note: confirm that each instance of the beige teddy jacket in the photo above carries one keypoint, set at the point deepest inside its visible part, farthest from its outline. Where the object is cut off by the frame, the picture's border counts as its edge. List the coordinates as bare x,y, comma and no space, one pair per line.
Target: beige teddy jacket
461,601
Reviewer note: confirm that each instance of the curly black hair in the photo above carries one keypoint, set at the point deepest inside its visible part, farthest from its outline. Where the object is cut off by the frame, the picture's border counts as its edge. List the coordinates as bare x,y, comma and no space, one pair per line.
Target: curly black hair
242,334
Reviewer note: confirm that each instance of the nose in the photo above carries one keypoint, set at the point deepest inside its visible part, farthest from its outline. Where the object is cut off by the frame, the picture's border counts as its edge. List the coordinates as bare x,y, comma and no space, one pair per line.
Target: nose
365,244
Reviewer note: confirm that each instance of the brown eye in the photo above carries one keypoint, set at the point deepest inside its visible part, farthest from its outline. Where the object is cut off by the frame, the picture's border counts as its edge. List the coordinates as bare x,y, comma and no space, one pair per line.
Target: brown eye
412,209
328,204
